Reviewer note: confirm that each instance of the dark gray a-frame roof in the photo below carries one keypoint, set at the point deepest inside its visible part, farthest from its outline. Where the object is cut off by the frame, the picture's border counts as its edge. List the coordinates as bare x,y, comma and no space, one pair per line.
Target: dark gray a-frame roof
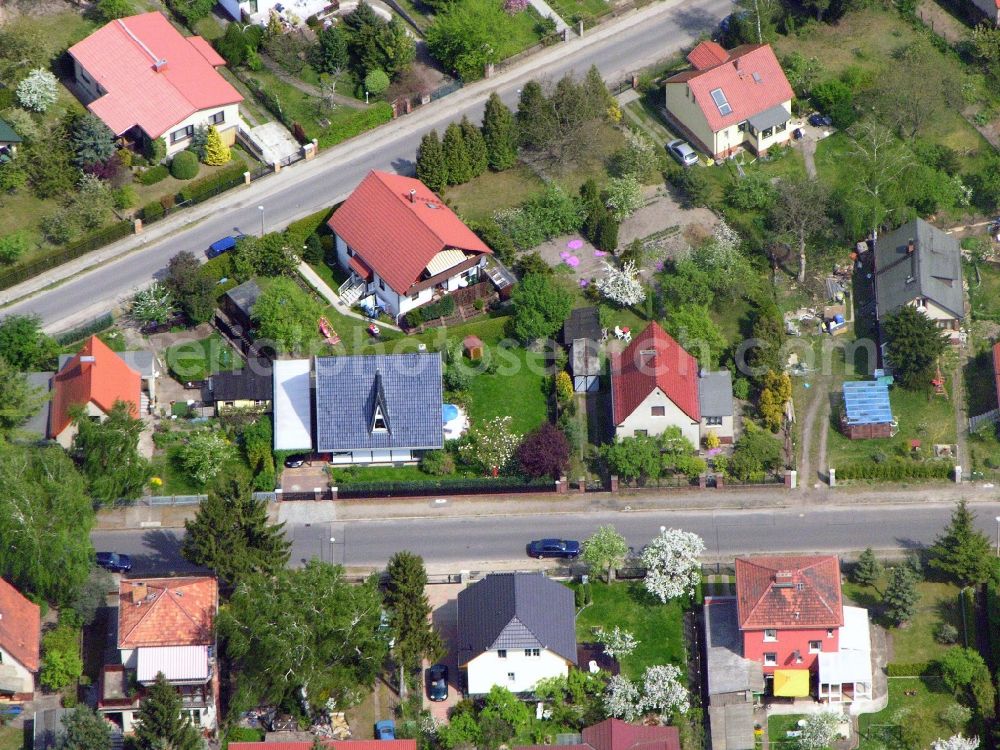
516,611
933,271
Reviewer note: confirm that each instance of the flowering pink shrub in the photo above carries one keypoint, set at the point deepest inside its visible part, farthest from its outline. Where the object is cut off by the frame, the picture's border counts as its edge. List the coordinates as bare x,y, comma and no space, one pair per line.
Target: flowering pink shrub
515,6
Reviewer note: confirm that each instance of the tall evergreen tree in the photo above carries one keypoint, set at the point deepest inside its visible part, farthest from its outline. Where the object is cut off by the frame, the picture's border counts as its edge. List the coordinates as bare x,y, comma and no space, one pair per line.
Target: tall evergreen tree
868,569
18,398
93,141
416,638
431,167
599,99
216,152
901,595
914,345
84,730
962,551
159,724
456,156
475,147
231,533
500,134
329,55
537,125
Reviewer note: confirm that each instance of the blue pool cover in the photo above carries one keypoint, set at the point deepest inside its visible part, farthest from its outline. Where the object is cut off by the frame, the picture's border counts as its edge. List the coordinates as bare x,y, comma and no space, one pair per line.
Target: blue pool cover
448,412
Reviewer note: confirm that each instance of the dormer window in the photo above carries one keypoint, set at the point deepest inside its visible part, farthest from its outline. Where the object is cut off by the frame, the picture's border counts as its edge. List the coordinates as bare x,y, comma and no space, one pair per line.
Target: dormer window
378,421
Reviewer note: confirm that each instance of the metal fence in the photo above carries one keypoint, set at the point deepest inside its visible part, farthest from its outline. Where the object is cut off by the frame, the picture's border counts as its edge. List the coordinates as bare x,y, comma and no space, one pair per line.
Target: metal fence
445,90
158,500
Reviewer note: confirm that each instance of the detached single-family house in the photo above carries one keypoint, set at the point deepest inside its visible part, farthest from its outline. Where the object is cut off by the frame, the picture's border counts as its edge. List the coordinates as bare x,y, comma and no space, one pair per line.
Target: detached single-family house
95,378
360,409
9,141
615,734
20,635
245,388
145,81
731,99
403,245
292,12
164,625
515,629
920,265
655,384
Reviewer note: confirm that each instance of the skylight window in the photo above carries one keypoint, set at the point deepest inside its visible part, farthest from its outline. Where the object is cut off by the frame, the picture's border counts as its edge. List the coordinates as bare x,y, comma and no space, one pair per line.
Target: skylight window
756,77
721,102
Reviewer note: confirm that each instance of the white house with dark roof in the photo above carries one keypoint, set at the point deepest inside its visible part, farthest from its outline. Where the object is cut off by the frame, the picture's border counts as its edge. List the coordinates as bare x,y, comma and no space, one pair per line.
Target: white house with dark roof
515,629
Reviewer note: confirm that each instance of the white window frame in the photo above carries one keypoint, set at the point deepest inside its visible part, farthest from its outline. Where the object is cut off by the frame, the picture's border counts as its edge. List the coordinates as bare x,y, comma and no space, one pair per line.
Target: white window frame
770,659
770,635
501,653
815,647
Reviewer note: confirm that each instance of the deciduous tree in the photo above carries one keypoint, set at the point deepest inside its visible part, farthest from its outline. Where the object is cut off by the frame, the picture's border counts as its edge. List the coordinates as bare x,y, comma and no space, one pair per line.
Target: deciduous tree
617,642
540,307
491,446
37,90
269,255
671,562
154,304
663,691
205,453
285,315
956,742
193,289
108,454
693,327
622,699
61,662
878,163
800,214
83,729
962,552
19,400
819,730
544,452
605,550
24,345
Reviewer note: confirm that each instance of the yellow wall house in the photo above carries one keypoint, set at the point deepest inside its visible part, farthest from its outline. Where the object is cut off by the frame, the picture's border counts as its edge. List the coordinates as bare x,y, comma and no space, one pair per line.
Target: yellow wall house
731,99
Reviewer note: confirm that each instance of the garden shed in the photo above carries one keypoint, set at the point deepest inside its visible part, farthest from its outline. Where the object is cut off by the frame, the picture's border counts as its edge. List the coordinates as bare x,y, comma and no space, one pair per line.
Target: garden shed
867,413
582,334
473,347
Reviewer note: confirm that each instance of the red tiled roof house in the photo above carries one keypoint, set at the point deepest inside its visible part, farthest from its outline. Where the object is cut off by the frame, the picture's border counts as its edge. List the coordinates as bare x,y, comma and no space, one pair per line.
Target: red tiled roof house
164,625
402,244
656,384
20,633
615,734
94,380
729,99
145,81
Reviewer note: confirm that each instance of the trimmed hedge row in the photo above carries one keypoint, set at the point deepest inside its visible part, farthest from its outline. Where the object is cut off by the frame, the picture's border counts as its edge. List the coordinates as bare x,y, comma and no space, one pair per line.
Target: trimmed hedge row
154,174
206,187
896,469
440,309
911,669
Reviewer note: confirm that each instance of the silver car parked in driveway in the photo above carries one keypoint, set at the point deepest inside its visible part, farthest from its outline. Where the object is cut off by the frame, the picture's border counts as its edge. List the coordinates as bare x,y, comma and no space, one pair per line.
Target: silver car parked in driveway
682,152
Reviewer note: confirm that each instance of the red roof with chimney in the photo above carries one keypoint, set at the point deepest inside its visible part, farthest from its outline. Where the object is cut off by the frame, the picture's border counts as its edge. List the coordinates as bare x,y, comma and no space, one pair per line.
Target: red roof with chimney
789,591
95,375
615,734
154,77
653,360
167,611
332,744
20,626
397,225
750,77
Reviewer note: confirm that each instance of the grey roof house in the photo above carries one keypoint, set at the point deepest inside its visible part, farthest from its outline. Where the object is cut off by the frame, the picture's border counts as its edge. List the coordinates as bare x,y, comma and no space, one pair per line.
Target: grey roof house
238,303
920,265
515,629
245,387
9,141
733,681
378,408
582,334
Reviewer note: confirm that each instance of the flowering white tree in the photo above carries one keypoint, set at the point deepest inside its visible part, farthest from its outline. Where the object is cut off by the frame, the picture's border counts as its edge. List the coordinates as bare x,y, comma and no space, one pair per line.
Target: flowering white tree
624,196
622,285
819,730
37,91
153,305
616,642
663,690
491,445
956,742
621,698
671,562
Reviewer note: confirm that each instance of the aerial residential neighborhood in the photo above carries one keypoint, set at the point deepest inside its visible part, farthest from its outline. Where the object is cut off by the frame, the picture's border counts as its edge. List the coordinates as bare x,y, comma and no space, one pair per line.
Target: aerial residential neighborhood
499,374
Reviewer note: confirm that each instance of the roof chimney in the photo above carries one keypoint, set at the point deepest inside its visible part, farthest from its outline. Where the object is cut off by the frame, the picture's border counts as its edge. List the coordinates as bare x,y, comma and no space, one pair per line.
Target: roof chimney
413,195
88,359
139,590
783,579
160,65
911,247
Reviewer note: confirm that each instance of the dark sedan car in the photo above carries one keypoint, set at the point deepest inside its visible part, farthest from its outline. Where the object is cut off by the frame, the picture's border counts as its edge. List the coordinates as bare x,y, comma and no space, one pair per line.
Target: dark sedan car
114,562
820,121
294,462
437,683
565,548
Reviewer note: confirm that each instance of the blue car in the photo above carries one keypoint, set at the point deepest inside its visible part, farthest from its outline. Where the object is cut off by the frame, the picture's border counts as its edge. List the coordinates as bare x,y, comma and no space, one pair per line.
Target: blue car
564,548
116,563
224,245
385,730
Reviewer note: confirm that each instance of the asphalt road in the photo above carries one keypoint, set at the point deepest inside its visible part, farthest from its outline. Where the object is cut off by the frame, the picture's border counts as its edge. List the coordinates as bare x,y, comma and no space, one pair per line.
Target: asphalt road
473,542
306,188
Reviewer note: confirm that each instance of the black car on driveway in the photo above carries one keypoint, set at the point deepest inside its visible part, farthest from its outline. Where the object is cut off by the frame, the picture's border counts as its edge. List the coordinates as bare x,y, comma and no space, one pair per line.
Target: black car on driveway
114,562
564,548
820,121
437,683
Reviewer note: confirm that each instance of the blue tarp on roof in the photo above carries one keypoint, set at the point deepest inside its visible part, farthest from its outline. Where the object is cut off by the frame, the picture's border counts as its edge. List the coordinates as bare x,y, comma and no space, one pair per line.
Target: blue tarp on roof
867,402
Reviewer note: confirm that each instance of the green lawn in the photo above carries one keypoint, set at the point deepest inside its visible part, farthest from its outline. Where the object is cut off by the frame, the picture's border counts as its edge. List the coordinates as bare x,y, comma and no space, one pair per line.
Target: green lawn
377,474
908,721
199,358
573,11
332,275
657,627
984,290
175,480
777,728
519,378
520,33
12,738
479,198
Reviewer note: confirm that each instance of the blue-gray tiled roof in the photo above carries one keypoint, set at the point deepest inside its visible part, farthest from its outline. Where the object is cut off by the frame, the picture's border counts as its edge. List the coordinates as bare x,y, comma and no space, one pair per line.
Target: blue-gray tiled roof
933,271
516,611
405,388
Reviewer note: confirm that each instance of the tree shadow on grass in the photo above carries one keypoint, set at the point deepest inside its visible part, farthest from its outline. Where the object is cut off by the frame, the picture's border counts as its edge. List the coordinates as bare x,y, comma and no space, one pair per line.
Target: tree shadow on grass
637,593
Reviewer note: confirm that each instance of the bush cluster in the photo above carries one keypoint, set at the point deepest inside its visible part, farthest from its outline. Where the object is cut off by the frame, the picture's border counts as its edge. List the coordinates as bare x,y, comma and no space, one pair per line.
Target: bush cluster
184,166
440,309
152,211
154,174
907,669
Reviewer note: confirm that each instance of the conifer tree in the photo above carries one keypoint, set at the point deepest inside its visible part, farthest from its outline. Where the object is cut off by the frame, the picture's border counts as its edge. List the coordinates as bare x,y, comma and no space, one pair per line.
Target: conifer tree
159,724
962,551
500,134
431,167
475,147
537,124
216,152
456,156
868,569
416,638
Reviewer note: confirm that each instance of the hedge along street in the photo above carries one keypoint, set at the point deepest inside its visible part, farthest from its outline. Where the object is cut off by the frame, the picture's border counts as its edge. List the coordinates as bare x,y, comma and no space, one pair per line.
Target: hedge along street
619,47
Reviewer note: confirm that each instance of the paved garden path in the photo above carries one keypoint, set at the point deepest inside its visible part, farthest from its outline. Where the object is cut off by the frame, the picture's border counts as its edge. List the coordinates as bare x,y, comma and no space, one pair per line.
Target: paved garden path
545,11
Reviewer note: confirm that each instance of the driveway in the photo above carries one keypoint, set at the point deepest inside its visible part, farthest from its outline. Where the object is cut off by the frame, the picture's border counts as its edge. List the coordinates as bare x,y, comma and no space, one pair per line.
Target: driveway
443,598
306,478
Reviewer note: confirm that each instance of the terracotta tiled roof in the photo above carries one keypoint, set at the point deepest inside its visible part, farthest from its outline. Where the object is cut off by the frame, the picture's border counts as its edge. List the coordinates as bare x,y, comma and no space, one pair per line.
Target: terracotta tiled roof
122,57
615,734
653,360
396,236
750,77
793,591
96,374
167,612
20,626
333,744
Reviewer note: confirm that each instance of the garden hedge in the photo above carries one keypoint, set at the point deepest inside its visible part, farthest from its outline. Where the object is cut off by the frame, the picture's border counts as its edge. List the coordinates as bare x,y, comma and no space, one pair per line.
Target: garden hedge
226,178
184,166
154,174
895,469
152,211
911,669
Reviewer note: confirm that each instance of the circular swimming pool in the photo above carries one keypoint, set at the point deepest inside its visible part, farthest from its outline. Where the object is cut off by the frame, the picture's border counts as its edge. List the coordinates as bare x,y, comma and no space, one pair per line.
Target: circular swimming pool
448,412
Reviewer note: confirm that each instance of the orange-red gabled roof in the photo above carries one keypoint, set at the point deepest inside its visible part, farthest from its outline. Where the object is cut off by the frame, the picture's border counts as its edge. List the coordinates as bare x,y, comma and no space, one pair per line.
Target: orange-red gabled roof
95,375
398,233
154,76
615,734
789,591
654,360
750,77
20,626
167,611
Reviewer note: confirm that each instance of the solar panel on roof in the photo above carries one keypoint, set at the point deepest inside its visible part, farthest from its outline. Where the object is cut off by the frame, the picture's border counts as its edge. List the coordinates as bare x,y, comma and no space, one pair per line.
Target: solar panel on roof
867,402
719,97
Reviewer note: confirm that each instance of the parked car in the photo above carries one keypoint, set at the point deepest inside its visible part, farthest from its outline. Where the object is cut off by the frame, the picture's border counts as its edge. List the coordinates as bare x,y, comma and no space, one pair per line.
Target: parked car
437,683
820,120
224,245
385,729
114,562
565,548
294,462
682,152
